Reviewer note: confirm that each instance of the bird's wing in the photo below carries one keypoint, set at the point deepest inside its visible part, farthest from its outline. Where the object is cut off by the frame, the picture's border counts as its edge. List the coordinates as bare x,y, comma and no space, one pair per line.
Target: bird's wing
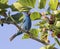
24,20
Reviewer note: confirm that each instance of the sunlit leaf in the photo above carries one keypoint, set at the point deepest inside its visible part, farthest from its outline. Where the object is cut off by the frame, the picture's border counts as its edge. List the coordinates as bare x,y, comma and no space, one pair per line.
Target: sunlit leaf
25,36
16,6
43,48
56,12
28,3
35,16
19,7
42,24
58,24
48,46
4,1
42,4
53,4
34,32
47,25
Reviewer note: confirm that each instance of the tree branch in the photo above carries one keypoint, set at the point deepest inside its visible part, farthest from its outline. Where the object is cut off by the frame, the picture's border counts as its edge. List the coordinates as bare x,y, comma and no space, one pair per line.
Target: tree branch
31,35
14,22
6,21
34,38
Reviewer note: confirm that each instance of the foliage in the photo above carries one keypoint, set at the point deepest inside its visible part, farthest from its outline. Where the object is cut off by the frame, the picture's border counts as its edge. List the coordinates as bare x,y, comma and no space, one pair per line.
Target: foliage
48,47
47,23
35,16
53,4
42,4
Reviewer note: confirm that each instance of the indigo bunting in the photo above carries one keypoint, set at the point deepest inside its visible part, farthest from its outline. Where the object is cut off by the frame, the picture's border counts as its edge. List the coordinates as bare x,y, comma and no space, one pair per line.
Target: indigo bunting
26,25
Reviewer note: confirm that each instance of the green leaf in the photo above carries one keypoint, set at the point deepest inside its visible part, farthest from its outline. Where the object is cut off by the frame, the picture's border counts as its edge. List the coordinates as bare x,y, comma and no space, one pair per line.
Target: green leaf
16,17
43,48
16,6
19,7
58,24
48,11
41,24
56,12
48,46
2,11
53,4
3,1
0,22
28,3
42,4
34,32
47,25
25,36
58,42
27,9
58,16
35,16
4,6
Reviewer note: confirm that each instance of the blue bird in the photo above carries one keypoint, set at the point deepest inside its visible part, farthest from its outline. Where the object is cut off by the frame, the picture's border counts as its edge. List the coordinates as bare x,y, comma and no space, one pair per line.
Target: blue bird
26,25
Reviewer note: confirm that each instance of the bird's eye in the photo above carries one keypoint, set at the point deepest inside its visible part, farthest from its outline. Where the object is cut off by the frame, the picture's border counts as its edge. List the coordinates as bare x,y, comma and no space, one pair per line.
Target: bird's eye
28,14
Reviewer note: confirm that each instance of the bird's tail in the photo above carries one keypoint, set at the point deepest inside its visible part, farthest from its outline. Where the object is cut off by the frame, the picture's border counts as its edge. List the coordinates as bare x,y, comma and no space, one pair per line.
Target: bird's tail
13,36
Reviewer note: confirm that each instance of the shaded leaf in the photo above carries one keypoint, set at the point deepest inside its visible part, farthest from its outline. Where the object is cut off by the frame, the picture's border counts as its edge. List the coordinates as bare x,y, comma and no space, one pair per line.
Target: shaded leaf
2,11
0,22
58,16
4,6
48,11
42,4
35,16
16,17
58,42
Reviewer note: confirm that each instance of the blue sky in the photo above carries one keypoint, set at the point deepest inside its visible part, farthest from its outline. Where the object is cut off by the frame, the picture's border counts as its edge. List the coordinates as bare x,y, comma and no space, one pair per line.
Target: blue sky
7,30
